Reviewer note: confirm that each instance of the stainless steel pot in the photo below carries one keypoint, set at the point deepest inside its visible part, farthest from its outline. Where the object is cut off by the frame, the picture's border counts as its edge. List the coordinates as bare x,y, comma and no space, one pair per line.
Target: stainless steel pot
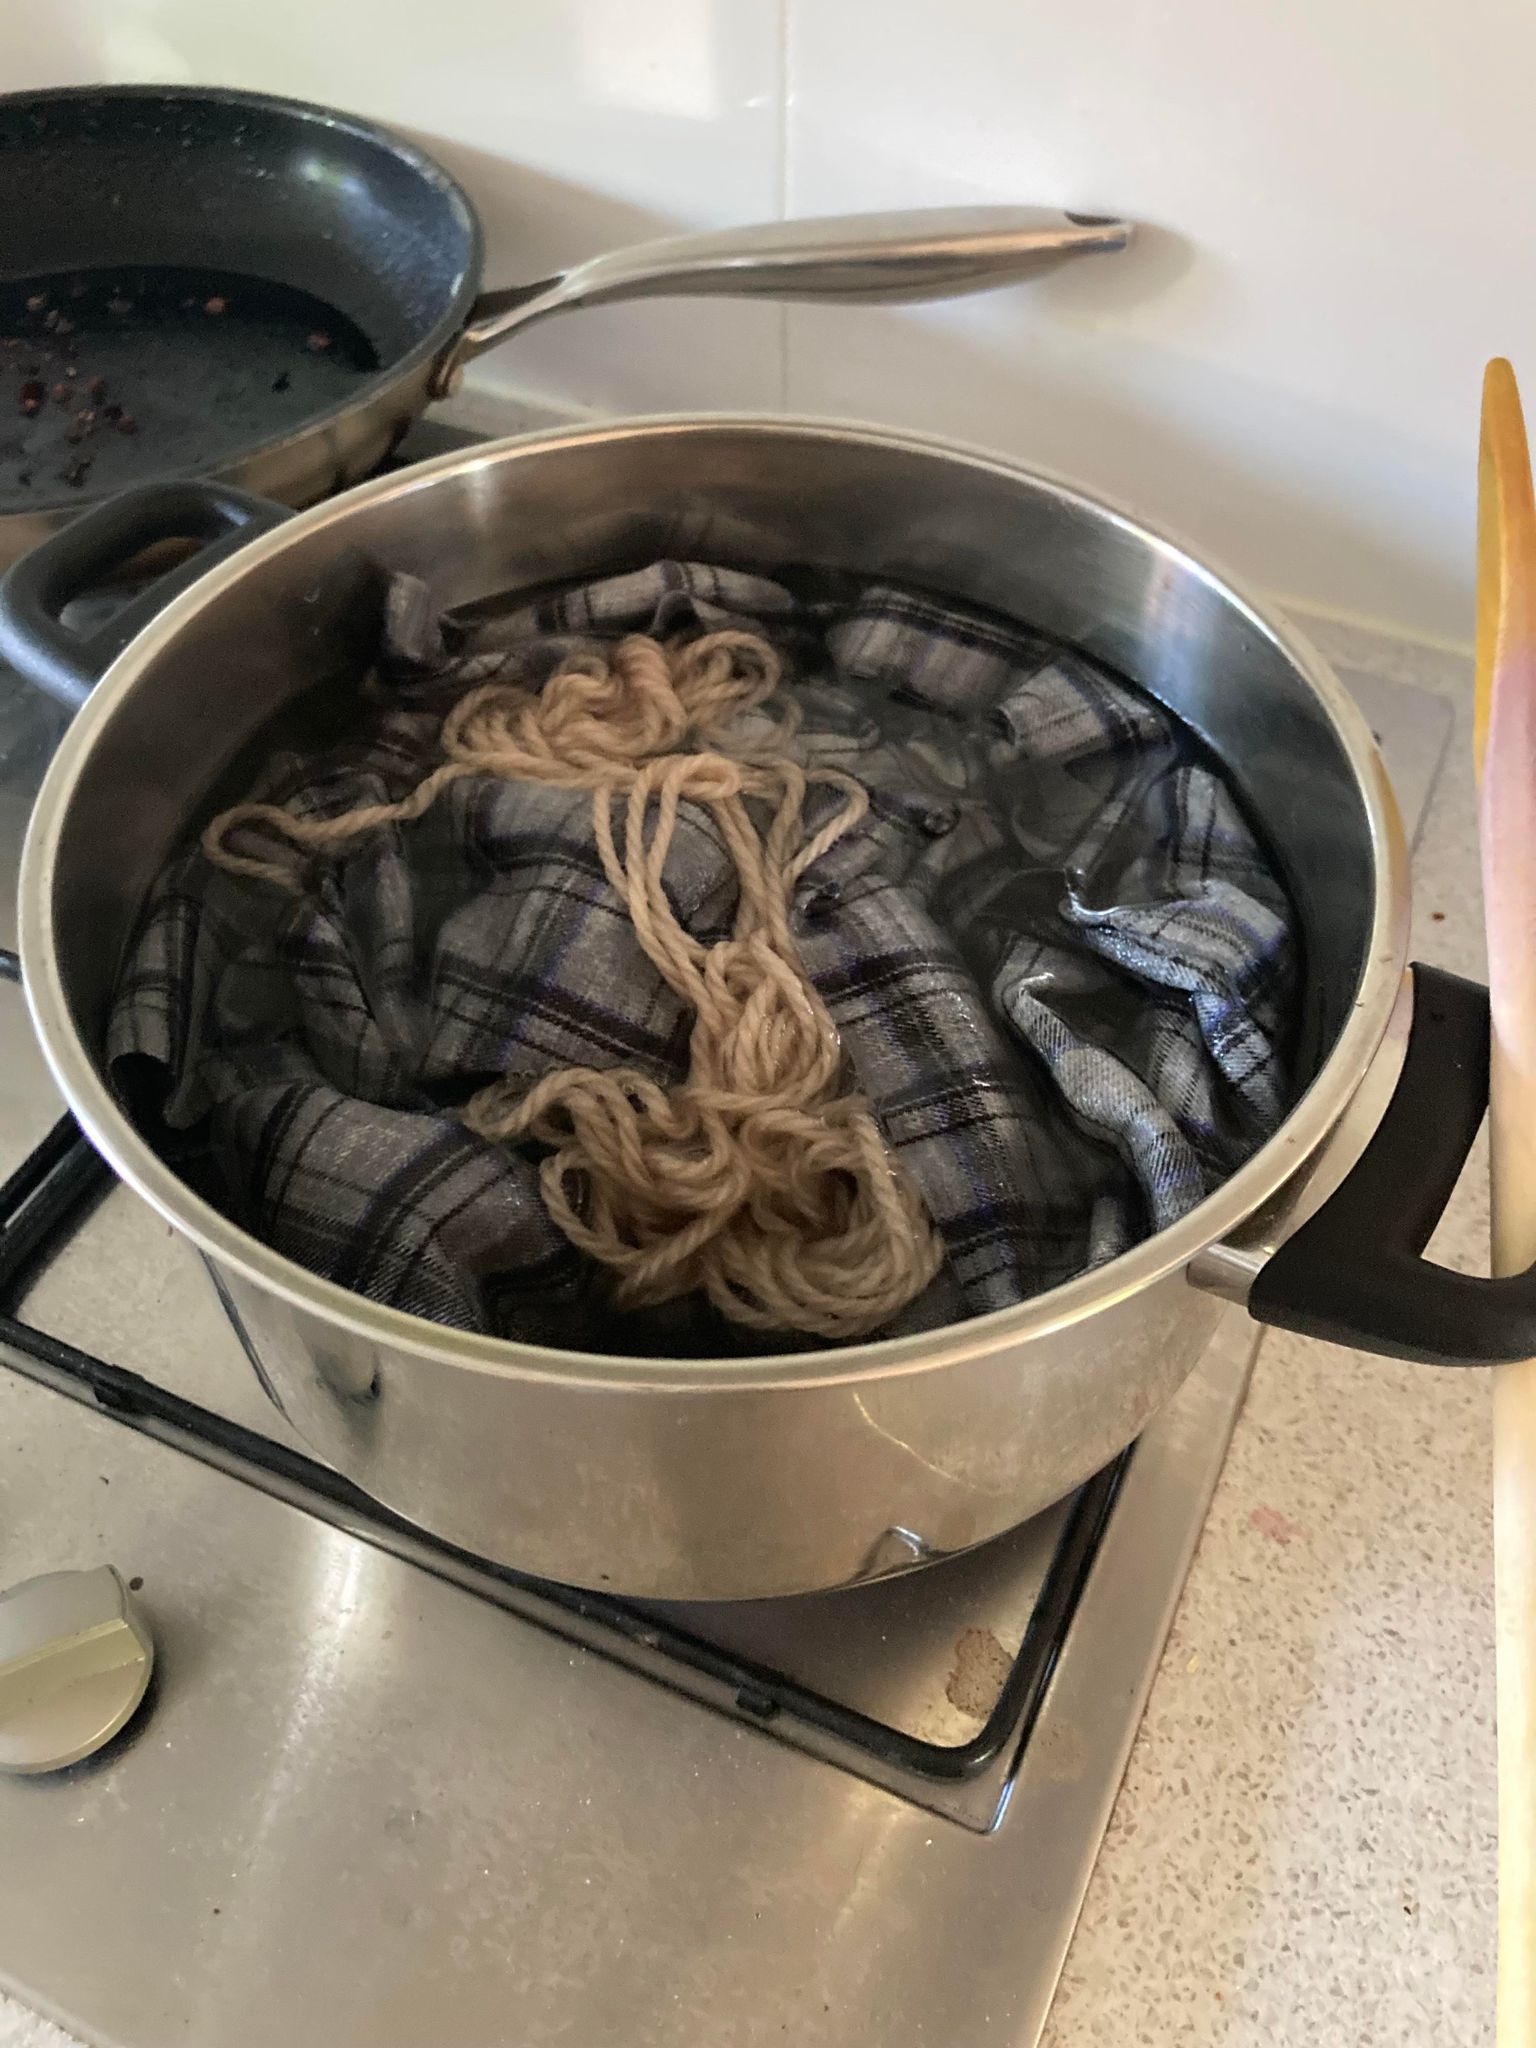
771,1476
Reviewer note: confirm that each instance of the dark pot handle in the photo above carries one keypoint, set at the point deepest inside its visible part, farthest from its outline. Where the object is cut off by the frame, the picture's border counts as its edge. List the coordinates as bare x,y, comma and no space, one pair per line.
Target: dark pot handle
90,549
1353,1272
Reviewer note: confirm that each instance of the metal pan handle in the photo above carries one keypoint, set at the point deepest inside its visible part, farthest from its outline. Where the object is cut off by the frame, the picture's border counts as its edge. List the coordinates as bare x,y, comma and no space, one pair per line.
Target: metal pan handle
1354,1272
896,258
98,545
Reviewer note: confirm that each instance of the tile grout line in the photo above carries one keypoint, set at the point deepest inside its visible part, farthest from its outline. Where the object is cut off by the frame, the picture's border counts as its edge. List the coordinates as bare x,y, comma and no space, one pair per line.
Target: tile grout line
782,93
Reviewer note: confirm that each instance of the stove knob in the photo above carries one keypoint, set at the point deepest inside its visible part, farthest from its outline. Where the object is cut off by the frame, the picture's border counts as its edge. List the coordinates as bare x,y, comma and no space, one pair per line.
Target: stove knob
75,1658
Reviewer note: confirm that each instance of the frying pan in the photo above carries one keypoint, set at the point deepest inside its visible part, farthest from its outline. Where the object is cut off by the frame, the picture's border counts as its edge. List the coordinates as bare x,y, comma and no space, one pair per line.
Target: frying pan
219,283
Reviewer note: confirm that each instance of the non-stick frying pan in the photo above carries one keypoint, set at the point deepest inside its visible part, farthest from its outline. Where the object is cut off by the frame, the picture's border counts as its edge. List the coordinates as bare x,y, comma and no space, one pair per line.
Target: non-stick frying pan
217,283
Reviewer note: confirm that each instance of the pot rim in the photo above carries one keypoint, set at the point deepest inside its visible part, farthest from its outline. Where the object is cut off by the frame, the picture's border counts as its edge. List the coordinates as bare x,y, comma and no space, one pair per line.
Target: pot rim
1298,1139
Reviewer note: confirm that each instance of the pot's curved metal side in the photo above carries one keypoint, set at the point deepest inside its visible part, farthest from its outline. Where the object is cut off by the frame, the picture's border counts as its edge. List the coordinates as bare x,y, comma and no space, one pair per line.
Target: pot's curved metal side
718,1492
731,1478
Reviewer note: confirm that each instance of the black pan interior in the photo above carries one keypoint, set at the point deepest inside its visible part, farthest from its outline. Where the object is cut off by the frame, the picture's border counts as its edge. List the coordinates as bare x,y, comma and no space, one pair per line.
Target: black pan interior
188,276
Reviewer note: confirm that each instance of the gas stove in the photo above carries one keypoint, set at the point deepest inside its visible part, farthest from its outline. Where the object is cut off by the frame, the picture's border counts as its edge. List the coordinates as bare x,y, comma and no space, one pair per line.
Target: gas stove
382,1791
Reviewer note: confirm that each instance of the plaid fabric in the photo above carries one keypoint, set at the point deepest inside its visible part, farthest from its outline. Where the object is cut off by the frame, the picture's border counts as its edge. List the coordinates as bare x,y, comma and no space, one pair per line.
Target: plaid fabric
1058,959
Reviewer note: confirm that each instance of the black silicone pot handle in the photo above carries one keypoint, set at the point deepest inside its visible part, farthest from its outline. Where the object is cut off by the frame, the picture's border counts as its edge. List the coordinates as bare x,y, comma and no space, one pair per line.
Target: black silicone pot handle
1353,1272
89,550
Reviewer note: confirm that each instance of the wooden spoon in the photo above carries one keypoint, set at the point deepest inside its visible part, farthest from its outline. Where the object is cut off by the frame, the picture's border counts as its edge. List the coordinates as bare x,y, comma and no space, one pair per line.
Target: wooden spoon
1504,739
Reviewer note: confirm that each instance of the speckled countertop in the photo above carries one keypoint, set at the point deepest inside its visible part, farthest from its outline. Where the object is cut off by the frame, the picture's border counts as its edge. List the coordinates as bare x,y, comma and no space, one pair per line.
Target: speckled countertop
1303,1852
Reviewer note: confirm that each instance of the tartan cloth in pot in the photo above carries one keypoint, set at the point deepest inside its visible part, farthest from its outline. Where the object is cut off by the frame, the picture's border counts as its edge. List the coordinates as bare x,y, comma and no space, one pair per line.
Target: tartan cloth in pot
1060,963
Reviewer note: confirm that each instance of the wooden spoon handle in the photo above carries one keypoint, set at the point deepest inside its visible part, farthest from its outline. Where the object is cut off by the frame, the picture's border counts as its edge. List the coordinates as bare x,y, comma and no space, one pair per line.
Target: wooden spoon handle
1505,753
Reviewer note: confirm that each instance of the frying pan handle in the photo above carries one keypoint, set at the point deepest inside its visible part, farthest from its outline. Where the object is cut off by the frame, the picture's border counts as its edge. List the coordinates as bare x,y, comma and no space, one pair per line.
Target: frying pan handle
90,550
929,253
1354,1272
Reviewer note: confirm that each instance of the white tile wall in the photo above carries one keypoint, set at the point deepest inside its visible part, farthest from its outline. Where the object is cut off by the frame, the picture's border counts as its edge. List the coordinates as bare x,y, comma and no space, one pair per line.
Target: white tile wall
1340,203
1288,367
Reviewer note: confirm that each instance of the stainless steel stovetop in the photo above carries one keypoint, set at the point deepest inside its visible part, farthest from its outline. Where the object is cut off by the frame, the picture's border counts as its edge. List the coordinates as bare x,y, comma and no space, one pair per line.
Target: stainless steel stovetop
383,1793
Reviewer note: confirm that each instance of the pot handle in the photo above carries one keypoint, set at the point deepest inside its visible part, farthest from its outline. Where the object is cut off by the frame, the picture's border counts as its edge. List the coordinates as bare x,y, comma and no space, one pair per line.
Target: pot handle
933,252
1353,1272
94,547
